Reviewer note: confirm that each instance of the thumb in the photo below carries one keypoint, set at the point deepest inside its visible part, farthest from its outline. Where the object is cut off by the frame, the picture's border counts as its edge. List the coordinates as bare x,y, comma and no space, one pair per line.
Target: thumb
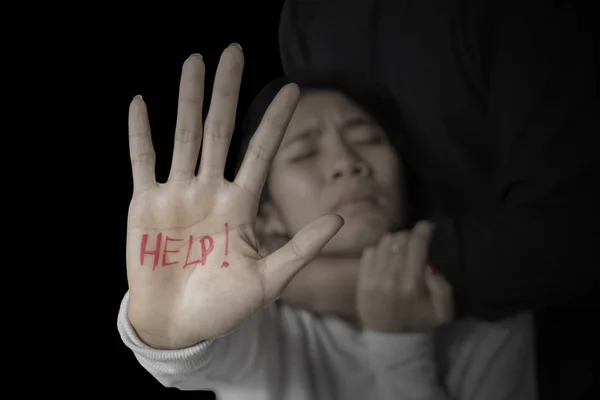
440,291
282,265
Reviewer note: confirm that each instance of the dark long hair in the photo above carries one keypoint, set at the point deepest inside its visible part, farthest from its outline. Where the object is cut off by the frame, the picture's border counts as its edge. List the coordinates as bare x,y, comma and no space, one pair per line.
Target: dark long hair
380,108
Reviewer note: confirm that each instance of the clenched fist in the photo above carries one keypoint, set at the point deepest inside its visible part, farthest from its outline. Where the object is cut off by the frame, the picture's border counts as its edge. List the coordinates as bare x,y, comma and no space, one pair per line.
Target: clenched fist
397,291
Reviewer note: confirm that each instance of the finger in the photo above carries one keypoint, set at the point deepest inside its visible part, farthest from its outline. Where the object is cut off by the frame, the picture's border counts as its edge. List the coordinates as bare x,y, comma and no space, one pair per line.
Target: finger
141,151
220,120
396,264
365,272
281,266
265,142
365,281
441,294
188,128
382,255
416,257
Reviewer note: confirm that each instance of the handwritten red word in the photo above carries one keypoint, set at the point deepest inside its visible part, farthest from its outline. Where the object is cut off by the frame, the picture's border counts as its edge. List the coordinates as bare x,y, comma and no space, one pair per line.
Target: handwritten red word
161,250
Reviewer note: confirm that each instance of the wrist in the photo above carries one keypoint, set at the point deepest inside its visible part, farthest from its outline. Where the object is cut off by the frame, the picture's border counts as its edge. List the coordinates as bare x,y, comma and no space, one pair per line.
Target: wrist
164,343
161,339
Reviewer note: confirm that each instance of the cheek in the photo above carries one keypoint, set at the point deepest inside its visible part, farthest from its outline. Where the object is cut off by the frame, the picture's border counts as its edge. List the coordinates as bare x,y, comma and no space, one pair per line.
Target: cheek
296,193
387,168
389,173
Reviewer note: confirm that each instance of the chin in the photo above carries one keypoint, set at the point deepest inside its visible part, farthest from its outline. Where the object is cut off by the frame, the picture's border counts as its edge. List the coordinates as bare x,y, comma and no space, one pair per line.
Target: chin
355,236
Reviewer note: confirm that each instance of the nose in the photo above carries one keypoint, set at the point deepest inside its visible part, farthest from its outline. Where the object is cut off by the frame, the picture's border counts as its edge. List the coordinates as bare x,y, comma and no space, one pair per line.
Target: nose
348,164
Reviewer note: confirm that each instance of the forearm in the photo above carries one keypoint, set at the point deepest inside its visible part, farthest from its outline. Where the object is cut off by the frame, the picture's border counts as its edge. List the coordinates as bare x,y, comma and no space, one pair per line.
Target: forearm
536,244
505,261
327,285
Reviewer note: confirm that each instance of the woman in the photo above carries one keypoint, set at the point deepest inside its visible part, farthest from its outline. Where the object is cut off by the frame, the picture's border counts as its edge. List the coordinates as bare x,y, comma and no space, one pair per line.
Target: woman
201,313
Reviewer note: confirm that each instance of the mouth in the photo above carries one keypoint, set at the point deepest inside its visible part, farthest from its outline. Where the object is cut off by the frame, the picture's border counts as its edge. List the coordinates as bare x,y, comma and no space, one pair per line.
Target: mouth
355,202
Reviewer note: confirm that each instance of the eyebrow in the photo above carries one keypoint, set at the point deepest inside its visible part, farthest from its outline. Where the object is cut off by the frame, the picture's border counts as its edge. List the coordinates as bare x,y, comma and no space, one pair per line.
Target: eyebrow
357,120
347,124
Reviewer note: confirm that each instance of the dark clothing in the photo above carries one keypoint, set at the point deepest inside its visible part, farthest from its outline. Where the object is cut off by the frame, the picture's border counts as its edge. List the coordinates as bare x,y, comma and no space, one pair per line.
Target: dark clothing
500,102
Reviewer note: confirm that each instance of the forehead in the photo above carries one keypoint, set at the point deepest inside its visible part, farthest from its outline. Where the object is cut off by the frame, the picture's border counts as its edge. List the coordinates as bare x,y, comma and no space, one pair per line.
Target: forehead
315,105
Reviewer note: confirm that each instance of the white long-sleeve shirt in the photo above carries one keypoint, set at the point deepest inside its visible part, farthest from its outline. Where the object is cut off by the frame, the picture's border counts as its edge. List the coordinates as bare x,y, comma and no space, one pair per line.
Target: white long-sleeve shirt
285,353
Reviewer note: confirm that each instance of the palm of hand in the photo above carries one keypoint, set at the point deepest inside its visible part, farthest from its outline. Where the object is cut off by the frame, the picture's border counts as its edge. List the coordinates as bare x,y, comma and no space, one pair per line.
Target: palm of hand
187,225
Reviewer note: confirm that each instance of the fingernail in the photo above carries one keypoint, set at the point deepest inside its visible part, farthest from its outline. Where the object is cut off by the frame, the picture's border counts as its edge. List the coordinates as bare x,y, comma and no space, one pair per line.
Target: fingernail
138,97
433,271
197,55
237,45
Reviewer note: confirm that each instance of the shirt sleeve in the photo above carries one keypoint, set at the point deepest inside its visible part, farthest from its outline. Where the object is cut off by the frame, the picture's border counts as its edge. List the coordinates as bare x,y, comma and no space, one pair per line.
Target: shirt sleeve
544,120
248,354
489,360
404,366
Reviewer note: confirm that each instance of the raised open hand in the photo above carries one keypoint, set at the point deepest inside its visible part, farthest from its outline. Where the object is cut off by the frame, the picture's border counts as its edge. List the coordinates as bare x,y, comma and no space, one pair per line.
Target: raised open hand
193,265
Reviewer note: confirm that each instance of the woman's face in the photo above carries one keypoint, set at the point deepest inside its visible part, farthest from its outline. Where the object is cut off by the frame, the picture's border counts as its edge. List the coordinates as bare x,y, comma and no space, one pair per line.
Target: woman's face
335,158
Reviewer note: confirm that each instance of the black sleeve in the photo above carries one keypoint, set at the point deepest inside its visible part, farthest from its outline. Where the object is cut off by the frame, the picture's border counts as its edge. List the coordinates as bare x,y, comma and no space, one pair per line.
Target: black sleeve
537,245
540,246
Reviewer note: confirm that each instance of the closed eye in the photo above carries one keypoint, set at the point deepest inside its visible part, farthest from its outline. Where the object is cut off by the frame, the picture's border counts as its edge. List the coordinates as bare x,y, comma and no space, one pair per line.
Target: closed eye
365,135
362,130
368,140
303,156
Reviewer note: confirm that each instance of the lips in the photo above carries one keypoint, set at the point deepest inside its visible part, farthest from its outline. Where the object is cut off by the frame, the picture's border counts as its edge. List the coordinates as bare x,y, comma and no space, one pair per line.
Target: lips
354,200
